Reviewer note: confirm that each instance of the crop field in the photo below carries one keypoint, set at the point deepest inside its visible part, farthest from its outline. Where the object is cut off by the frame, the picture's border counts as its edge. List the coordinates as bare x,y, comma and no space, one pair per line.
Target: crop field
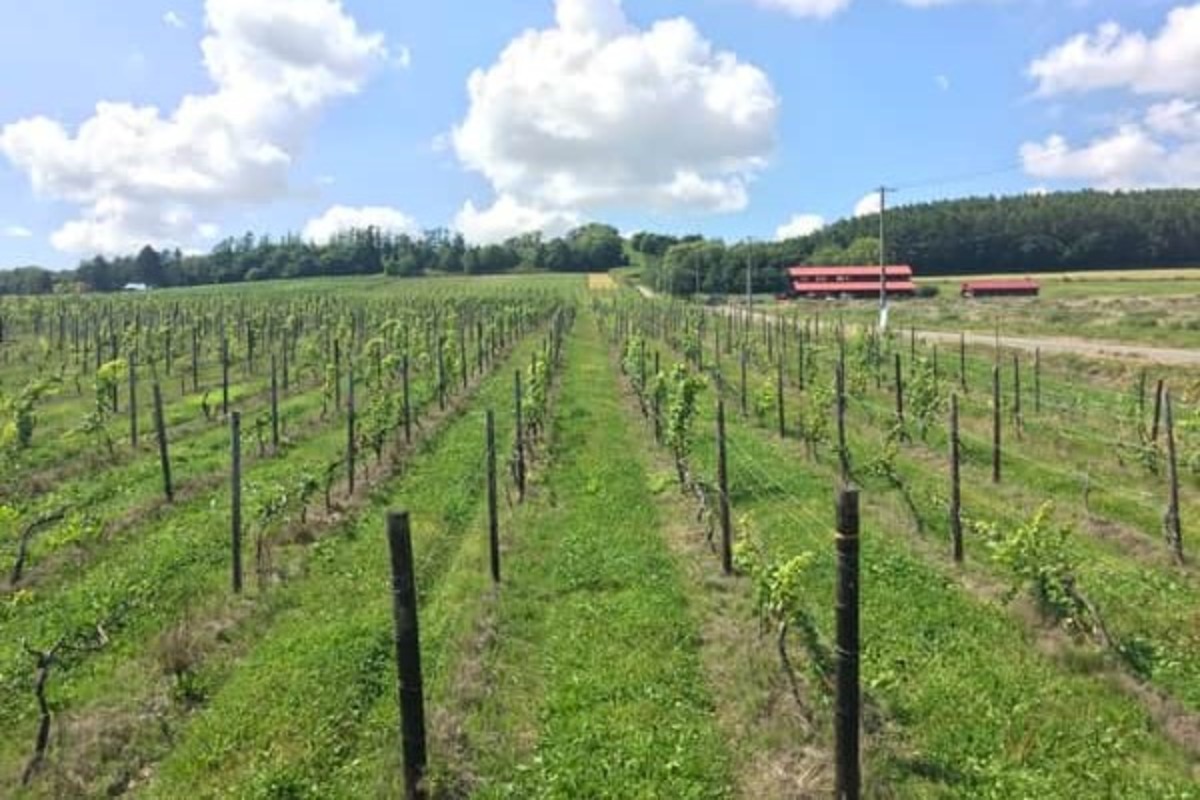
196,586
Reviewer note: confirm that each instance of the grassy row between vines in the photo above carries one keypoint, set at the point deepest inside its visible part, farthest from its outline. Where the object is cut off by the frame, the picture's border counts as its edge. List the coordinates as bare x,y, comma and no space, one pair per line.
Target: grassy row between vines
985,712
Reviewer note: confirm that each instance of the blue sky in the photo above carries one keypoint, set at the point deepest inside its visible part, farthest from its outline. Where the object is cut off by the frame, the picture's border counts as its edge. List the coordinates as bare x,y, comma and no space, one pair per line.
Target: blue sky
801,116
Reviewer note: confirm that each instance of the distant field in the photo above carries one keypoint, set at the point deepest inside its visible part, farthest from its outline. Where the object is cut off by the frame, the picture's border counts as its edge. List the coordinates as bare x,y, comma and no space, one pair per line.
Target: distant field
1151,307
601,281
1092,284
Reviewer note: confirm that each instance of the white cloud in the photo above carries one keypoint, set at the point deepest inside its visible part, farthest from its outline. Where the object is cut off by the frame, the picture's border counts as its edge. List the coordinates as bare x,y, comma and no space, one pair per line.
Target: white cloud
1130,157
507,217
16,232
596,114
819,9
943,82
1168,62
173,19
1178,118
339,219
868,205
140,176
799,225
1160,149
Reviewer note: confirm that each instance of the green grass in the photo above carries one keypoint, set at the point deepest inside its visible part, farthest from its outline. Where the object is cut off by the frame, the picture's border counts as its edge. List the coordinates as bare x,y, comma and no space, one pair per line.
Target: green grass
983,712
596,650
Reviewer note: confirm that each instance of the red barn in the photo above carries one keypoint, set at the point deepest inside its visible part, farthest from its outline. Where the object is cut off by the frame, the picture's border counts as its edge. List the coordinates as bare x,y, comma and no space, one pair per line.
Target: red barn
824,282
1001,288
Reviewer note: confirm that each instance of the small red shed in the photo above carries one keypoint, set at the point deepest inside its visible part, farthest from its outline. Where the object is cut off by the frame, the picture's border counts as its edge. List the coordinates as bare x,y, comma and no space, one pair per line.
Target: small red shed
1023,287
854,281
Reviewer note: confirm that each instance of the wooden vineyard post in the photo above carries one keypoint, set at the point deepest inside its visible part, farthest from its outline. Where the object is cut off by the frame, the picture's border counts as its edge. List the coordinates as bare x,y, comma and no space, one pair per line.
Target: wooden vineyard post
779,397
160,429
1158,405
112,349
409,684
195,359
642,368
407,400
224,375
462,358
962,361
478,347
1037,381
912,345
848,712
995,423
800,361
955,483
723,493
899,396
337,375
286,371
520,438
843,451
1142,399
1174,528
1016,362
657,403
133,409
441,373
274,406
235,430
743,365
493,513
350,428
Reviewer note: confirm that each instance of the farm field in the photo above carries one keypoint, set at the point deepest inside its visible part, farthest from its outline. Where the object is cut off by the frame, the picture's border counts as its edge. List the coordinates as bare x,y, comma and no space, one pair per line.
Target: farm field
615,657
1152,307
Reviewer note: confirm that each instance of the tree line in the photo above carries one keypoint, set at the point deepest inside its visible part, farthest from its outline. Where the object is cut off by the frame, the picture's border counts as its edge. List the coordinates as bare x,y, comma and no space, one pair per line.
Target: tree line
1021,234
590,248
1066,231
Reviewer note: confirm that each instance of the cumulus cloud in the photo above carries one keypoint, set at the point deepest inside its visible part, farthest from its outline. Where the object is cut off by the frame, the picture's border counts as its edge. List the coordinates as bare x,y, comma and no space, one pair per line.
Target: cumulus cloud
339,219
1159,148
141,176
595,113
1113,161
16,232
506,218
173,20
1167,62
799,225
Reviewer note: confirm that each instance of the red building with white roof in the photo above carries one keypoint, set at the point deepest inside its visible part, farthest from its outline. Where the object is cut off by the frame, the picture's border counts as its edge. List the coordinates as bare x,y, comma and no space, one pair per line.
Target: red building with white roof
831,282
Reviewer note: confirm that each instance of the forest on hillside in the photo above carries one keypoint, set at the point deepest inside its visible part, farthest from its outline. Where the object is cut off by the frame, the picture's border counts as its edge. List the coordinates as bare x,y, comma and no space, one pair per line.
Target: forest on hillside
1030,233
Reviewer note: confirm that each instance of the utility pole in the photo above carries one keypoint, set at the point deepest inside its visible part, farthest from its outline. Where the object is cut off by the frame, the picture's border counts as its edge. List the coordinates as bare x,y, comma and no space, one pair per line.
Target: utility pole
883,299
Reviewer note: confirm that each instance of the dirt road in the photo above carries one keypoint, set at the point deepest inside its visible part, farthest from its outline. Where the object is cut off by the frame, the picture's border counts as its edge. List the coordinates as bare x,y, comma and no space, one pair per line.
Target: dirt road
1090,348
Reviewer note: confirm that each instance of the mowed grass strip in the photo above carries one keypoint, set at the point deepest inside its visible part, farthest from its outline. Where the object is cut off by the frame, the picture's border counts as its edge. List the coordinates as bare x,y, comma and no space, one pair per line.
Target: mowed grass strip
981,711
599,690
298,716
